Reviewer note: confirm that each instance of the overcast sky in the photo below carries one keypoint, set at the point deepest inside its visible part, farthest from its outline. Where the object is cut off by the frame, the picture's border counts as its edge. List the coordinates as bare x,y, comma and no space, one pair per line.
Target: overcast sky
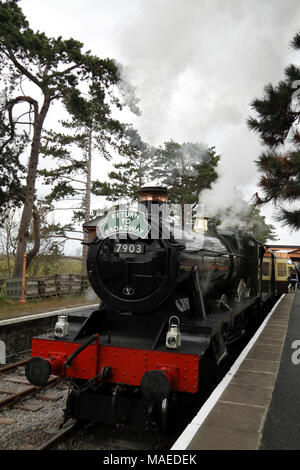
196,65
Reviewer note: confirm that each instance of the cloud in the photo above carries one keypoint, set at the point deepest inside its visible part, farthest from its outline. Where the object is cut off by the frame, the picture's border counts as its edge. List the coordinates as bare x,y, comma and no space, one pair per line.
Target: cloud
199,64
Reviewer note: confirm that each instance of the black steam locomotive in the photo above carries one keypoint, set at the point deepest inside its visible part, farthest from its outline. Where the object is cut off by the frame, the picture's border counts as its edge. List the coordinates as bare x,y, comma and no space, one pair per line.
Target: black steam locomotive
167,305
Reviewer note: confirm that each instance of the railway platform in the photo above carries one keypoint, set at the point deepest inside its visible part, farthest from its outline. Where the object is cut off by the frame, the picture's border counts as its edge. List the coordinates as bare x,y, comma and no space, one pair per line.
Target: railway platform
257,404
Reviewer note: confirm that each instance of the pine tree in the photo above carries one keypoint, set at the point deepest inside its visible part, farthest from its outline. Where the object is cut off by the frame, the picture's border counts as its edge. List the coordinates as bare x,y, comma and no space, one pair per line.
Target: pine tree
132,172
186,169
11,148
92,133
56,69
277,117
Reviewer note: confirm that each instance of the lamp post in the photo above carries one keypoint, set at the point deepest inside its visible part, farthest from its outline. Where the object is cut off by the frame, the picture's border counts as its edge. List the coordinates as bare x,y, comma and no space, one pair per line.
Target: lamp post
22,299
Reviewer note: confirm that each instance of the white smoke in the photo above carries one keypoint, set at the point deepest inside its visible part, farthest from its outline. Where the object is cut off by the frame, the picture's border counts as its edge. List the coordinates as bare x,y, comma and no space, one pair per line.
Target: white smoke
128,91
225,203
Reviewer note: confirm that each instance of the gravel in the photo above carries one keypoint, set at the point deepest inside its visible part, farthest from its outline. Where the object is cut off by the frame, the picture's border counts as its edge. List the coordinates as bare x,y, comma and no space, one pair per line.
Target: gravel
105,437
29,429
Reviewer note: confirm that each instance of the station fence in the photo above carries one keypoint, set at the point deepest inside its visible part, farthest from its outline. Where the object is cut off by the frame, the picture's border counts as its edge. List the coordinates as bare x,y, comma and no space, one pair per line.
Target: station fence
45,286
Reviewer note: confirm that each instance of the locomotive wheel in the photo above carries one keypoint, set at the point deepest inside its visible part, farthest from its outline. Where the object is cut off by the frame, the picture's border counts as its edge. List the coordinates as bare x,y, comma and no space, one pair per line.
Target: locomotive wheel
168,413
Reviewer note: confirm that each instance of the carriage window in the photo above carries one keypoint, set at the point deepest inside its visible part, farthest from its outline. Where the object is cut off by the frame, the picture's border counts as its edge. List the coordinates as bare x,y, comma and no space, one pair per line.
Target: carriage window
281,269
266,269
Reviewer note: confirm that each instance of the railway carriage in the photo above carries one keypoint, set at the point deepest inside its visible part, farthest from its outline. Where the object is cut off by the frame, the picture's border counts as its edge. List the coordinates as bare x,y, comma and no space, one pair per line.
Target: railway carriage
282,275
268,275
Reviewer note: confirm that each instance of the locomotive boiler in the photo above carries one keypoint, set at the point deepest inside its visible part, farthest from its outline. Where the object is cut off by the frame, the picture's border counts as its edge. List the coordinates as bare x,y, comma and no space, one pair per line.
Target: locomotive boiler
167,304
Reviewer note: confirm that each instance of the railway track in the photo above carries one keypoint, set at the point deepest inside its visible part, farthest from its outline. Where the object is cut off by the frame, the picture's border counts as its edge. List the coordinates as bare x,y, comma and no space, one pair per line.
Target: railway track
25,423
29,390
96,436
61,436
10,367
28,413
30,419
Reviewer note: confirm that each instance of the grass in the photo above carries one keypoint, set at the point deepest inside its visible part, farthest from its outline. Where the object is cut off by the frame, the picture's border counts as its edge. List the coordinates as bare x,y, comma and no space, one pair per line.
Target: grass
41,266
10,308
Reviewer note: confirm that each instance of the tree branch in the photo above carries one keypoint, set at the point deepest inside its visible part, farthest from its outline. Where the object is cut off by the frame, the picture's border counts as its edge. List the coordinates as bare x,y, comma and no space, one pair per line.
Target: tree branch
27,112
73,179
21,68
24,122
11,104
67,208
68,238
69,69
75,231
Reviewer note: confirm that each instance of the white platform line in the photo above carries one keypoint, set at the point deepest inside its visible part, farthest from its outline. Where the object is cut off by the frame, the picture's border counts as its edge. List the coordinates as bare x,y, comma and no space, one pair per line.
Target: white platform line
36,316
185,438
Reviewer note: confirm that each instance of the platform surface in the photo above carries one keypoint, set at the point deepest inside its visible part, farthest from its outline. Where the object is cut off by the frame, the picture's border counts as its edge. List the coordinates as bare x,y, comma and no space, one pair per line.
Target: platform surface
282,425
260,405
36,316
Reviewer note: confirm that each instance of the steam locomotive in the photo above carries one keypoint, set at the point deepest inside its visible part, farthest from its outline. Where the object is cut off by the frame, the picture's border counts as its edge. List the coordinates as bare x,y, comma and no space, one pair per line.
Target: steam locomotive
167,306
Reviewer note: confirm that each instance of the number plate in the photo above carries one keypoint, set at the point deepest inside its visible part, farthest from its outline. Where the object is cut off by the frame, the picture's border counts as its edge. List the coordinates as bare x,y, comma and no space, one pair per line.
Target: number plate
129,248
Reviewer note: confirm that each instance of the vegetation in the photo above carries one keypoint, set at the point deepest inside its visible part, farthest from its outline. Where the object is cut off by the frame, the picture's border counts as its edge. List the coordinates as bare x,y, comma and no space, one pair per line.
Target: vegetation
131,173
90,132
56,70
50,258
276,120
43,265
10,307
186,169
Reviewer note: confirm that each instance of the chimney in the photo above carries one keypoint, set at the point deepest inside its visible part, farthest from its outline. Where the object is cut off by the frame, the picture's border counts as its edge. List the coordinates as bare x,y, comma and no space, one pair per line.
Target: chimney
152,195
